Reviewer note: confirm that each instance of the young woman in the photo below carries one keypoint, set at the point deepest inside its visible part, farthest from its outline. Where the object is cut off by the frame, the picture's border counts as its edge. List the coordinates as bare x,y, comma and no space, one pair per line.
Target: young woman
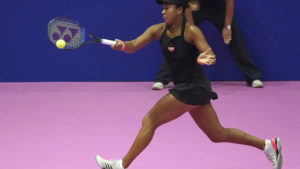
181,43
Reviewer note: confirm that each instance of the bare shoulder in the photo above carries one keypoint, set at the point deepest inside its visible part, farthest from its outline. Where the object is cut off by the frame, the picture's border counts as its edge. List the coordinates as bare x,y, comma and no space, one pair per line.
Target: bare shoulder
158,26
195,37
193,32
192,29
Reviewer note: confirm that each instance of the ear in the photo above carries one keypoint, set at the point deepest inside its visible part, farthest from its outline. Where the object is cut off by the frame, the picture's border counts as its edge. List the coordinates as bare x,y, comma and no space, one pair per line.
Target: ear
180,10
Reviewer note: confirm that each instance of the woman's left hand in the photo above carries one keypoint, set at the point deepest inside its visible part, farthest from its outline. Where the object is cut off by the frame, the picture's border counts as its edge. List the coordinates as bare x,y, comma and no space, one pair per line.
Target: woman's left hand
206,58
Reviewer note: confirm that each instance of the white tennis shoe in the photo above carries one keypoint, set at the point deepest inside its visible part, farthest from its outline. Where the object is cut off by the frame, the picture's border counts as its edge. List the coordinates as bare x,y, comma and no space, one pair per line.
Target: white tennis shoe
109,164
273,152
257,84
159,86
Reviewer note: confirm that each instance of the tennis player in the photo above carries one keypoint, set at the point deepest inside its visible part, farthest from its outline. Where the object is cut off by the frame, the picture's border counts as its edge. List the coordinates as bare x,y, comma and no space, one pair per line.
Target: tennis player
181,44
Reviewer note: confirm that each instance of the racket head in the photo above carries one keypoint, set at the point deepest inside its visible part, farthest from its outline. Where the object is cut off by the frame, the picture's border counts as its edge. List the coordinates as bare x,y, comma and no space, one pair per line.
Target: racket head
68,30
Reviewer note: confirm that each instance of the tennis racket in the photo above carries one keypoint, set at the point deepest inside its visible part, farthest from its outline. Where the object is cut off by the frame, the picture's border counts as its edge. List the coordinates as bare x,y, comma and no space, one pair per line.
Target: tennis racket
72,33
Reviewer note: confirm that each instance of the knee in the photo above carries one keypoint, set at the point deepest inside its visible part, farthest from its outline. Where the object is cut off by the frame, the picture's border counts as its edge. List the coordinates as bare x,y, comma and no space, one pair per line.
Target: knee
149,122
219,136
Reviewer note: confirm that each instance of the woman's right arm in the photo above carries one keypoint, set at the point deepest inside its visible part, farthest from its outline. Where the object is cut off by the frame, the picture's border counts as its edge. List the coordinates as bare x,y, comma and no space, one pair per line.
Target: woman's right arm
152,33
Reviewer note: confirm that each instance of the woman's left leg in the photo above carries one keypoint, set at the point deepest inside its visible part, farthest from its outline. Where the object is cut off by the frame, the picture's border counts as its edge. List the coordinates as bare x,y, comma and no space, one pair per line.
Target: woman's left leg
207,119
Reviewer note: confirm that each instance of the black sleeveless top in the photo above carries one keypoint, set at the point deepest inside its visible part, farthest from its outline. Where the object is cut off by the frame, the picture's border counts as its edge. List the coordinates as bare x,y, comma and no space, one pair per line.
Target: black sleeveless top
190,84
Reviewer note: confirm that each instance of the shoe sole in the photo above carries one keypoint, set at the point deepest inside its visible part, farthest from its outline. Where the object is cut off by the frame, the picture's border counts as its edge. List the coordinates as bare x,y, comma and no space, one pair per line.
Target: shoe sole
257,86
156,88
278,143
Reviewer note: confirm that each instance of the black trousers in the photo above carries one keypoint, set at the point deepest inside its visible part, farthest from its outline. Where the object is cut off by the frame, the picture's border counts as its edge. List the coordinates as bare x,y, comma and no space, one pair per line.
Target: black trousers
237,46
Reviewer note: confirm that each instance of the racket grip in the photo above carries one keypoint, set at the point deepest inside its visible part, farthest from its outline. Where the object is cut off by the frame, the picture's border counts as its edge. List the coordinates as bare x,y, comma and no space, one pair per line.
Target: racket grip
107,42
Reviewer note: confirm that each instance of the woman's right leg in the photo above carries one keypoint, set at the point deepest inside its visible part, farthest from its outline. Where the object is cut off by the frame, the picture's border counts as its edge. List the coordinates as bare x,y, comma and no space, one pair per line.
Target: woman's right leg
166,109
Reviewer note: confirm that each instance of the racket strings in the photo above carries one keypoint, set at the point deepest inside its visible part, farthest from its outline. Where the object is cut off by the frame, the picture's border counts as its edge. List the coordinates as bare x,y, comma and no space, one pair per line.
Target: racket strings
68,30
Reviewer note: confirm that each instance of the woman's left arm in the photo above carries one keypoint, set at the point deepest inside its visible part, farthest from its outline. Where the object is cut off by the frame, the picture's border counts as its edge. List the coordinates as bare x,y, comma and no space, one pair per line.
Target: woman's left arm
196,37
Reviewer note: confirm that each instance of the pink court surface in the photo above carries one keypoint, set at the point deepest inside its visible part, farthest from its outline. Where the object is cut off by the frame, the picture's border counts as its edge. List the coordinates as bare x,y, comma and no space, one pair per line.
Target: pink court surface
64,125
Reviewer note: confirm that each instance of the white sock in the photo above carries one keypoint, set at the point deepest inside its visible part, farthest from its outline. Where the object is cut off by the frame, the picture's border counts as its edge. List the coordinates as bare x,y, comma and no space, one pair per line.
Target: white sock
120,164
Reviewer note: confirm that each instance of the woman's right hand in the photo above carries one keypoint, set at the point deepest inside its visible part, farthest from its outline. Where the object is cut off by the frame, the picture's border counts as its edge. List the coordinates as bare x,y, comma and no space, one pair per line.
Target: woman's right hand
118,45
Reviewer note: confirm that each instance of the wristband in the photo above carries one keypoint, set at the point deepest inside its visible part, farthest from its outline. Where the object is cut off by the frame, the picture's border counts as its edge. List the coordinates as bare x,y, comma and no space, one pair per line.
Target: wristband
123,47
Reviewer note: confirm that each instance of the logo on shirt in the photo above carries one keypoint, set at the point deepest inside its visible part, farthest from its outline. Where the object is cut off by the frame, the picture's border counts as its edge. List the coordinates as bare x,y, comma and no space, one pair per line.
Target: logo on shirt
171,49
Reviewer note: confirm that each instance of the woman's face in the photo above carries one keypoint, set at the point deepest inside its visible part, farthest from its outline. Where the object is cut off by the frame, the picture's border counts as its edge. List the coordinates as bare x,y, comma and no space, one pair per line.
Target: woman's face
170,13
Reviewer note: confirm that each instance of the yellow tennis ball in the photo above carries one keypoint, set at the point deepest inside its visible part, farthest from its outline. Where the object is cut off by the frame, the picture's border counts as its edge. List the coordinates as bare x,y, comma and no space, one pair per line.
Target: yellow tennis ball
60,44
